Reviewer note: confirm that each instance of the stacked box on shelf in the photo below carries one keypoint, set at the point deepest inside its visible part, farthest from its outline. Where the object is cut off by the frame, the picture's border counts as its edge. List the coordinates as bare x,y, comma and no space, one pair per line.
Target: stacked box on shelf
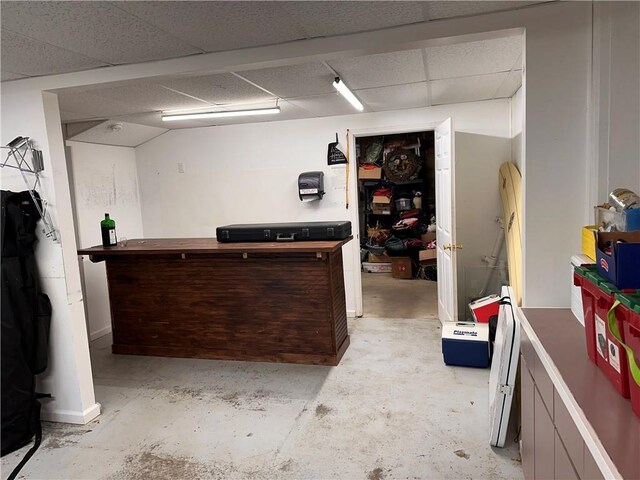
618,258
628,322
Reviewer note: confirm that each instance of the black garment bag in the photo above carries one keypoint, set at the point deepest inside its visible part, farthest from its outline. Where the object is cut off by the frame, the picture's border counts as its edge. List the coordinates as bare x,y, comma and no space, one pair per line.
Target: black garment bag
25,317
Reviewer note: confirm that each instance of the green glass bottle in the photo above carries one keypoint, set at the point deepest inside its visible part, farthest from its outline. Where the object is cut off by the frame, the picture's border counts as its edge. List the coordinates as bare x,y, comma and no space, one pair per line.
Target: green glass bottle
108,227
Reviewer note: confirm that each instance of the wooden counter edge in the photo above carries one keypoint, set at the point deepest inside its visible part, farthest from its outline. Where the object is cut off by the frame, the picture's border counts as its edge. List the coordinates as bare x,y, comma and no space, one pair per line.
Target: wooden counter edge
99,253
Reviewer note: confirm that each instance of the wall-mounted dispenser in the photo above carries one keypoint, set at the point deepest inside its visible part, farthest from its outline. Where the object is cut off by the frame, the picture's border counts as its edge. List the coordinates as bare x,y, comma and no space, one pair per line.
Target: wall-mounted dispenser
311,186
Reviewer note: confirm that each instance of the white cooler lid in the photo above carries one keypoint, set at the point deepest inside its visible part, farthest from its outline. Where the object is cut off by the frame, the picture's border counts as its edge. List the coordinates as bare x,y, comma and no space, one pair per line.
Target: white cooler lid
577,260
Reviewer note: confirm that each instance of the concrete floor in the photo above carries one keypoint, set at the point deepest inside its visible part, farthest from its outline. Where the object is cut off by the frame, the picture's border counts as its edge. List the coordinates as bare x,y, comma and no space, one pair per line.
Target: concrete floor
391,409
388,297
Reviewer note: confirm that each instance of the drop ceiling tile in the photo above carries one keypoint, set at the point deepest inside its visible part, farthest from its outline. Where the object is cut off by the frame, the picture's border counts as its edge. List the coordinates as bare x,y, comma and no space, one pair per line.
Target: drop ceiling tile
129,135
31,57
99,30
215,26
93,106
6,75
381,70
325,18
220,89
466,89
148,96
448,9
395,97
325,105
473,58
66,116
510,86
295,80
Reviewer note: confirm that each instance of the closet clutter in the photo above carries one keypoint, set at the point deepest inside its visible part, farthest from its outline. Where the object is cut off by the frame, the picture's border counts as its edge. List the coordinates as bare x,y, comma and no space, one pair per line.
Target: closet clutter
397,204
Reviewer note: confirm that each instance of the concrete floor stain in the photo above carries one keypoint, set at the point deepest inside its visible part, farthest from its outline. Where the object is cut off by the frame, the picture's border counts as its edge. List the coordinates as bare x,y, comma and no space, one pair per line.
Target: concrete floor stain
462,454
376,474
322,410
149,465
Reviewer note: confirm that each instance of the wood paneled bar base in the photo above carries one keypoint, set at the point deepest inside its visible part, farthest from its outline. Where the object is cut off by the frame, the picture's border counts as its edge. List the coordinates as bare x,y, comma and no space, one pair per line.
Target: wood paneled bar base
197,298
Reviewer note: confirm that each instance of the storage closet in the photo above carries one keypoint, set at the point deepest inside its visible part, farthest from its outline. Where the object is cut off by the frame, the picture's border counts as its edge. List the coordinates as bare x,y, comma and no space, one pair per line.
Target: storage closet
396,182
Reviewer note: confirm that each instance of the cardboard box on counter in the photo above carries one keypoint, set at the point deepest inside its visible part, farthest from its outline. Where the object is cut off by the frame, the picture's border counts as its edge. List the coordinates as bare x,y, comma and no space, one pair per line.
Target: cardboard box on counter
622,266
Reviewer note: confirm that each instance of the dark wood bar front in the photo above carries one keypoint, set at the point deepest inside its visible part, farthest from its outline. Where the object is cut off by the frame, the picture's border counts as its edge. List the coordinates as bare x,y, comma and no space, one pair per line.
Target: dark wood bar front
197,298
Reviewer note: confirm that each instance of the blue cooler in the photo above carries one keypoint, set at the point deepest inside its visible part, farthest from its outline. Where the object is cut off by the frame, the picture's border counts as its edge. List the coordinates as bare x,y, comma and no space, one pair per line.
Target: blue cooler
465,344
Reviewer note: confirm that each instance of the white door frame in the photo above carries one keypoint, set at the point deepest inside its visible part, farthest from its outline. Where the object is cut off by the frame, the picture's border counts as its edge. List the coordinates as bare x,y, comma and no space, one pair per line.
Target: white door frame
353,193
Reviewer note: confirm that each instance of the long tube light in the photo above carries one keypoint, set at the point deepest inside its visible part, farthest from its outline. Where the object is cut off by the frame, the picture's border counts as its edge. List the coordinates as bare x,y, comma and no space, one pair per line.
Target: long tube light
222,114
348,94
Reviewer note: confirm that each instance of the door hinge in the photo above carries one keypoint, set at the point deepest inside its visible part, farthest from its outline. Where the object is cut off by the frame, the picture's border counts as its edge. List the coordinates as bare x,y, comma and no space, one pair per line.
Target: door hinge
506,389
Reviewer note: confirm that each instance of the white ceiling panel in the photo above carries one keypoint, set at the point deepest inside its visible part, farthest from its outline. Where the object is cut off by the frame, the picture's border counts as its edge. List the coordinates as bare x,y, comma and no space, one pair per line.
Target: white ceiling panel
98,30
294,81
245,24
30,57
66,116
466,89
395,97
325,105
129,134
6,75
473,58
220,89
385,69
510,86
324,18
448,9
94,106
148,96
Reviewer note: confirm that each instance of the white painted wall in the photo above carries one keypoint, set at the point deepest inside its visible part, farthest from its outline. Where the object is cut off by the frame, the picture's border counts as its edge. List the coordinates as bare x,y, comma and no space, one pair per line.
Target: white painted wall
616,98
68,377
517,128
105,180
478,204
248,173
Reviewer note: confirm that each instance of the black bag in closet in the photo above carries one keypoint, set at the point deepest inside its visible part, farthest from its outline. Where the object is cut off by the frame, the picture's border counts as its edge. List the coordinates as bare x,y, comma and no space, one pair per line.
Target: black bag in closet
26,315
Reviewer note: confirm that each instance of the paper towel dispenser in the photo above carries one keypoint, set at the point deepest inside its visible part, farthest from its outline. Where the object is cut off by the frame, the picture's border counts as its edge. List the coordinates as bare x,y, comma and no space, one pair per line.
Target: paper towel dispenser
311,186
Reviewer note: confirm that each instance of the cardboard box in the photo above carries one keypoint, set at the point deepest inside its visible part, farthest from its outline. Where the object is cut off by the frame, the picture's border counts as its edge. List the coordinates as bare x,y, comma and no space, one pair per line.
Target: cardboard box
401,267
370,173
384,258
428,254
622,266
381,205
428,237
589,241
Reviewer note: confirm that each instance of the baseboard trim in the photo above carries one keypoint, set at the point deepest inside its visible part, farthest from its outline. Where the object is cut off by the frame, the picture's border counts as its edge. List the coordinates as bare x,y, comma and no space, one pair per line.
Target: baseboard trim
100,333
70,416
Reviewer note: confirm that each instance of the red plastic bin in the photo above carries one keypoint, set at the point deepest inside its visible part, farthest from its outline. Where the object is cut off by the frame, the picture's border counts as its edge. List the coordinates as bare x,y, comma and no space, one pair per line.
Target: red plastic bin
610,356
628,319
588,310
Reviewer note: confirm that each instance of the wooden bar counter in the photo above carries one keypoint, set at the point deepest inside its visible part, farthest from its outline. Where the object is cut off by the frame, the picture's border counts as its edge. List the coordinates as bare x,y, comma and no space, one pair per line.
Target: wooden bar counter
197,298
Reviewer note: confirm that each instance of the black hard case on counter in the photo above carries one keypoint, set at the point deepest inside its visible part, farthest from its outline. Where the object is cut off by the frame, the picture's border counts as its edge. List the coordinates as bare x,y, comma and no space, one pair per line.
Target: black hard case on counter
284,232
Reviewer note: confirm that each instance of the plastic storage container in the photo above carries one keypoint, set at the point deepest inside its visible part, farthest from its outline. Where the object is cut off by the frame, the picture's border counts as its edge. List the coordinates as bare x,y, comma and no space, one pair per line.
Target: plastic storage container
603,348
628,320
614,221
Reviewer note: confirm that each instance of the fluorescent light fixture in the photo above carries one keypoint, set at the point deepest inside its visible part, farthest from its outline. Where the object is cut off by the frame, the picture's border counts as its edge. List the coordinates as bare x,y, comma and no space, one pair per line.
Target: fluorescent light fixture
221,114
348,94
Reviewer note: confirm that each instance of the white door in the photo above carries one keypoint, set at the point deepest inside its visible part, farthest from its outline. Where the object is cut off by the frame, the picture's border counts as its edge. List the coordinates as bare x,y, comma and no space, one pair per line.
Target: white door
445,224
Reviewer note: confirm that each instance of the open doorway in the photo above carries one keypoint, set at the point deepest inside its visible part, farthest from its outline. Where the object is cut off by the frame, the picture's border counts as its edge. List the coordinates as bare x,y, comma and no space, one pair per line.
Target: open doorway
397,221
